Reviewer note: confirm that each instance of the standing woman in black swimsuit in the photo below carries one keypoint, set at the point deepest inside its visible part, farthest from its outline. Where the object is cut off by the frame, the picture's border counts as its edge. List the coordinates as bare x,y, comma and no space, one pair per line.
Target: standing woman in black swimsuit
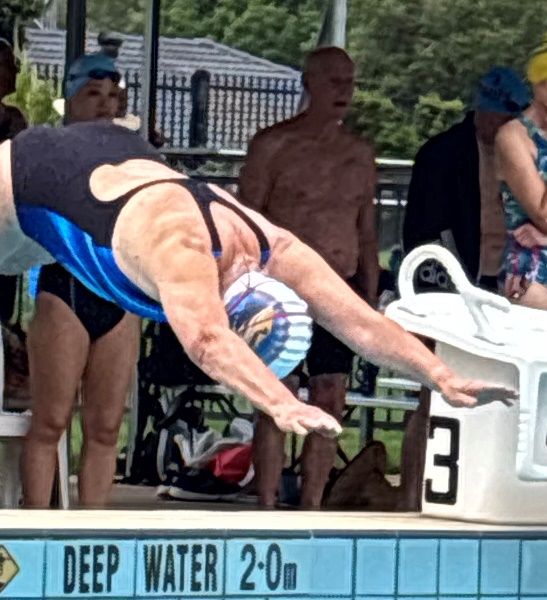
77,336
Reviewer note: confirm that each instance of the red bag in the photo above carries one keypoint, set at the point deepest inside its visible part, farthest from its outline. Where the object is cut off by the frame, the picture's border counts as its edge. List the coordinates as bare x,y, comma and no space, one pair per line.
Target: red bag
233,464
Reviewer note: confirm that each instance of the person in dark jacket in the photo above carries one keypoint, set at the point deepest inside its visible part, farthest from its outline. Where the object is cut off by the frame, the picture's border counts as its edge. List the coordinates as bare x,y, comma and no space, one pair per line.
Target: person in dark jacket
454,197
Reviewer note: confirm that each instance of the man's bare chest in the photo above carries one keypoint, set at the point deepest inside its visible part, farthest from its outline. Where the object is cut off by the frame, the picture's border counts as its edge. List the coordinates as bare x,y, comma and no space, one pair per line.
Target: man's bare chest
302,166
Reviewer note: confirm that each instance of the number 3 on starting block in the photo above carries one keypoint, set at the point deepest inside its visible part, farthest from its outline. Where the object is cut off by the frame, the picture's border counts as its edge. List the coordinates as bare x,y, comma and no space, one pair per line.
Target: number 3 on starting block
442,487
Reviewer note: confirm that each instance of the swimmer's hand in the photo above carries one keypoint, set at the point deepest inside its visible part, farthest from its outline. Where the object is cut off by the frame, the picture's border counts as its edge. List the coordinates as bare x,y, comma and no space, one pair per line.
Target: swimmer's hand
302,419
464,392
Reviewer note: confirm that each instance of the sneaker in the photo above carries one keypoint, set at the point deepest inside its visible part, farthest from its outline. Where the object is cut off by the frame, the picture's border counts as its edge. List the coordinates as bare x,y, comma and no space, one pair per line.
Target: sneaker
162,491
198,484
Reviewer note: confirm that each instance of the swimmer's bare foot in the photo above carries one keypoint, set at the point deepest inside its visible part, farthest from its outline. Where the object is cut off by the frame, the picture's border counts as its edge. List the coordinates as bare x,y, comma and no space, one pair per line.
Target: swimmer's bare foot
463,392
303,419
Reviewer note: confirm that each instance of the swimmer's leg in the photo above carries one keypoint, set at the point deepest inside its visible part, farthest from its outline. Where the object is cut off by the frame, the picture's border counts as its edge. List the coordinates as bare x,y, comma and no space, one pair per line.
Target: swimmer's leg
106,383
269,453
327,392
58,347
329,365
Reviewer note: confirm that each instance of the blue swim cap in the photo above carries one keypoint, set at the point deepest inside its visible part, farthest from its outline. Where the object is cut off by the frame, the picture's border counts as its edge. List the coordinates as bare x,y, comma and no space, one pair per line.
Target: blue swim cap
272,319
90,66
501,90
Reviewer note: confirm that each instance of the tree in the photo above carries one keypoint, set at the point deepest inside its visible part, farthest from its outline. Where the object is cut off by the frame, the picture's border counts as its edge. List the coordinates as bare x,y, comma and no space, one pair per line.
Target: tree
125,16
376,117
383,38
418,52
411,48
34,96
181,18
273,32
395,132
465,39
280,30
433,115
14,15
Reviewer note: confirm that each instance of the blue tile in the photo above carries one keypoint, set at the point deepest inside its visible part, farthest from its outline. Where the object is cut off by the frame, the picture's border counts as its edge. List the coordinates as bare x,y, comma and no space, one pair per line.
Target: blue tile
86,568
179,567
375,566
22,564
332,572
505,598
459,567
418,566
461,598
311,567
499,567
428,597
534,565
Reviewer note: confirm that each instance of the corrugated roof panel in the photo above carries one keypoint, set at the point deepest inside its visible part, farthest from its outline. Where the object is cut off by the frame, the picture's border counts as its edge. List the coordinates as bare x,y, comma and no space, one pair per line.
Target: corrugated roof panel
177,55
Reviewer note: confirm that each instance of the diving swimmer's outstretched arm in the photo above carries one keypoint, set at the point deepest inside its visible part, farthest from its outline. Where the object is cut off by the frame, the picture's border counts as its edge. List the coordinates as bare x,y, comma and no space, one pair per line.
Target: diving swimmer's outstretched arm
164,245
368,333
189,293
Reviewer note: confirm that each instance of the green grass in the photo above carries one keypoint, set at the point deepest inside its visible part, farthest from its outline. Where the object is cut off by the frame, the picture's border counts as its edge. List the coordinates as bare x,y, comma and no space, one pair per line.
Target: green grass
383,258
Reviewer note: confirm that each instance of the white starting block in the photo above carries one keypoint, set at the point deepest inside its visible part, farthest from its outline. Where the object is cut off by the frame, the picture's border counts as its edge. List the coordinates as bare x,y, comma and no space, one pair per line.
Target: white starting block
487,463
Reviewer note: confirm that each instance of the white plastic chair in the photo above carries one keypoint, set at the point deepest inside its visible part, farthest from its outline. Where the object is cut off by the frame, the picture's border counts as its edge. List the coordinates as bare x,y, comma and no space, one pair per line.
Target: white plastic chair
487,462
13,429
132,409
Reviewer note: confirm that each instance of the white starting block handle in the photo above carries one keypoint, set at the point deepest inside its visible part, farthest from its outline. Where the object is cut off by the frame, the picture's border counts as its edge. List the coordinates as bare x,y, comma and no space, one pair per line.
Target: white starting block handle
474,297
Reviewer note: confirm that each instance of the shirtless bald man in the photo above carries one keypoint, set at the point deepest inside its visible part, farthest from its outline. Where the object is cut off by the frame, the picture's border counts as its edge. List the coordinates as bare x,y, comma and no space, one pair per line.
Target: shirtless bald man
101,201
315,178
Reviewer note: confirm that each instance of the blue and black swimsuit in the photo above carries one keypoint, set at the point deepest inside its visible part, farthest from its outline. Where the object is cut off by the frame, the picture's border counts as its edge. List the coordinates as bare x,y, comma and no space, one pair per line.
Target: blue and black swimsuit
51,170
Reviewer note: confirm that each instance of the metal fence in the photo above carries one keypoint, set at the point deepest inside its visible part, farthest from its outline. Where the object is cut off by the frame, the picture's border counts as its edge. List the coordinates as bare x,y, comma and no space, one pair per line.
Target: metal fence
240,106
51,72
209,110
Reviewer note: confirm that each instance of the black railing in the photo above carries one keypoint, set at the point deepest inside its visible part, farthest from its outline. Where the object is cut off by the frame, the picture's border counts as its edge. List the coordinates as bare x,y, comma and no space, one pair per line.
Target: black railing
224,111
239,106
52,73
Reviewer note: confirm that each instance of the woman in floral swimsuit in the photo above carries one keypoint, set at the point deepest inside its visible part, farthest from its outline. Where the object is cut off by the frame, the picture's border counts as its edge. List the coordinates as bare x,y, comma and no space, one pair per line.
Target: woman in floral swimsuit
521,150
